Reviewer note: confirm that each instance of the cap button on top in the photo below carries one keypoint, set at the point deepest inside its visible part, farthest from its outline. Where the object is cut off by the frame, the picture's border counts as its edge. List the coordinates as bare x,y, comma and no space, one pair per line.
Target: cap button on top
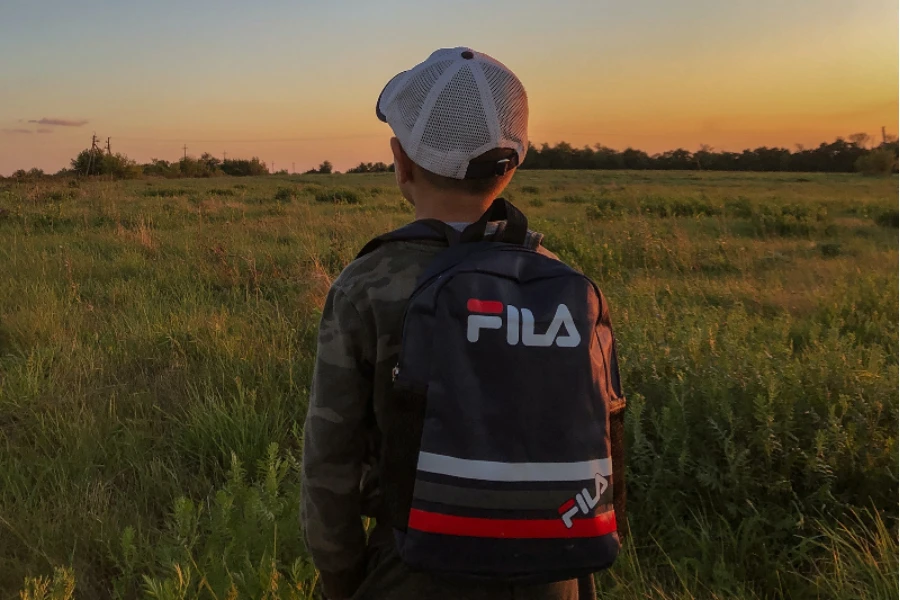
468,55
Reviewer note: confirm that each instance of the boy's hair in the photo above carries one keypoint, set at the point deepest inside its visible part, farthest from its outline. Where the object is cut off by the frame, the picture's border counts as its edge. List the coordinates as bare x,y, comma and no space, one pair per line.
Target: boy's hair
484,186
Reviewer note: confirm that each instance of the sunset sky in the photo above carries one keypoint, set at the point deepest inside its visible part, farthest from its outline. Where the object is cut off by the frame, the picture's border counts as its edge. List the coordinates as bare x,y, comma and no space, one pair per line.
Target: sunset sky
296,82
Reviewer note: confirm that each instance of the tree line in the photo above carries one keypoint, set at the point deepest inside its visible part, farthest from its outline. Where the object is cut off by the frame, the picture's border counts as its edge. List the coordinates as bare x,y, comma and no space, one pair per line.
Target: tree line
840,156
855,153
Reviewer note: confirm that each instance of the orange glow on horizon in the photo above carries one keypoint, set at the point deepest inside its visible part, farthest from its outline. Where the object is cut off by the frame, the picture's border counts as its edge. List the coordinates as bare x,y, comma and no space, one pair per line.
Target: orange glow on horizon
656,78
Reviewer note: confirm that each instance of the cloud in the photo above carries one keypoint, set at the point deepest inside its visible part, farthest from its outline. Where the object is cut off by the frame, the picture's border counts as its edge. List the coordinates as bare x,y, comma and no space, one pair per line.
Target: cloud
44,131
60,122
15,130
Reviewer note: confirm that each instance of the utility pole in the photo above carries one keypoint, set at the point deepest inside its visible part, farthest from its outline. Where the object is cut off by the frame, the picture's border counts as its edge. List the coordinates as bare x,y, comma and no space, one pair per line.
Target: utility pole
185,151
273,166
883,135
108,151
224,156
93,149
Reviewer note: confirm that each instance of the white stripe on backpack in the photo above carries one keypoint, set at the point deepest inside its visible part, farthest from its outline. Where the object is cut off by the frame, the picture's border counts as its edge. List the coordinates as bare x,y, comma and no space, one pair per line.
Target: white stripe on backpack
487,470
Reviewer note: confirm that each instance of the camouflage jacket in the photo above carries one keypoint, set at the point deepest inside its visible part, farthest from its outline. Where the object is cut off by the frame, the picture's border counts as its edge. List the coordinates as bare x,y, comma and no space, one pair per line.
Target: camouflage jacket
358,345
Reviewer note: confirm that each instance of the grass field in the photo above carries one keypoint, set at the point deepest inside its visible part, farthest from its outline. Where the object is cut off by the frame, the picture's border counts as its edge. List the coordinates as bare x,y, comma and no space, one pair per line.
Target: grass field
157,338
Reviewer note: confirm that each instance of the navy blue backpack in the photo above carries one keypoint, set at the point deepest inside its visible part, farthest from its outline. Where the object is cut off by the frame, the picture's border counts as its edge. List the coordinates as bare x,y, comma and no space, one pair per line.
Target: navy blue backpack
502,452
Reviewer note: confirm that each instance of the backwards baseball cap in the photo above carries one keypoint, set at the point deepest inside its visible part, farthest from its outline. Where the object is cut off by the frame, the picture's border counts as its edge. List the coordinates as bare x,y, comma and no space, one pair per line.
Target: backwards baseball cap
454,107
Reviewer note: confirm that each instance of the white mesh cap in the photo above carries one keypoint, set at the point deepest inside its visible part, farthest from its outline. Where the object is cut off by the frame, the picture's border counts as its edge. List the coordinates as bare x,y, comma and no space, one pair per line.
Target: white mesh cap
455,106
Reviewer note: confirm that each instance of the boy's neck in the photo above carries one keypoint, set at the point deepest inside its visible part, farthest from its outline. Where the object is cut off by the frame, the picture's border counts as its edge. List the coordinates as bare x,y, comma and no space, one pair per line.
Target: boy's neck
453,209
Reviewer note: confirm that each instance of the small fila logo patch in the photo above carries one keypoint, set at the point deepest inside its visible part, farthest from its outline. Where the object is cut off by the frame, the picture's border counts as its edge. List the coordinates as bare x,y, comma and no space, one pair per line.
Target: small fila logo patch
582,502
520,324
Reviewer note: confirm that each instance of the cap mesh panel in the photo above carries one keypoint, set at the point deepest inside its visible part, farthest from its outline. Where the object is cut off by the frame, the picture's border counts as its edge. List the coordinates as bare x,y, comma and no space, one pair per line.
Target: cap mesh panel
457,124
409,101
512,104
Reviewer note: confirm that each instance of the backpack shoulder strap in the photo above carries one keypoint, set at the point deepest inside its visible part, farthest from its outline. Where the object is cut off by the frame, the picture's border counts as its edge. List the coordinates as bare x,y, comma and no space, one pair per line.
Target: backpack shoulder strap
424,229
514,230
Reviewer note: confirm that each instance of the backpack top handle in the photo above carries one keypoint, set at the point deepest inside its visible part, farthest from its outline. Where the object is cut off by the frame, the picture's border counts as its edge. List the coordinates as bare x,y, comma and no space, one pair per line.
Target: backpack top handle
515,232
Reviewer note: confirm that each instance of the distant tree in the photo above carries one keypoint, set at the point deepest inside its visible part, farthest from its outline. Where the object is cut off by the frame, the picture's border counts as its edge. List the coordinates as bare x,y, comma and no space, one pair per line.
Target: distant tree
877,162
703,157
210,162
117,165
860,139
244,168
326,168
83,164
205,166
160,168
378,167
635,159
29,175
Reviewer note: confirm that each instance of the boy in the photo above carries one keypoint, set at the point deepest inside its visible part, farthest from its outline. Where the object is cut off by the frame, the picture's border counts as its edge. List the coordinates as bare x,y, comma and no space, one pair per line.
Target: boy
460,121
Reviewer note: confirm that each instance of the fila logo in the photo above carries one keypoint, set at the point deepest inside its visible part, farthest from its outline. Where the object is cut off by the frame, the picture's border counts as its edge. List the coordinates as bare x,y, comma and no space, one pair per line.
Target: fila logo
582,501
520,319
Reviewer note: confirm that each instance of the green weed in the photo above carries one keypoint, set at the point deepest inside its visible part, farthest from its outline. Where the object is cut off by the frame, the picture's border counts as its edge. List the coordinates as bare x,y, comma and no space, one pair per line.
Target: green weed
339,196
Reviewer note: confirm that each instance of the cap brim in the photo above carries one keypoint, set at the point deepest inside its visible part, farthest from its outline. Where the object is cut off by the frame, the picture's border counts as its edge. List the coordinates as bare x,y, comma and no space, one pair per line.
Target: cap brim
378,112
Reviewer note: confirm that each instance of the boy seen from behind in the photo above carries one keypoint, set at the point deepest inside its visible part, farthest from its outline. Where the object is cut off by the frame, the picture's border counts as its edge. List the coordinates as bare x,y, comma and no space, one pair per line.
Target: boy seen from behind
454,511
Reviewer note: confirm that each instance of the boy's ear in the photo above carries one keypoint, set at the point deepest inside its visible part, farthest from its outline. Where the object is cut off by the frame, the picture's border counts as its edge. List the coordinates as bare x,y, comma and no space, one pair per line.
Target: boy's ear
403,165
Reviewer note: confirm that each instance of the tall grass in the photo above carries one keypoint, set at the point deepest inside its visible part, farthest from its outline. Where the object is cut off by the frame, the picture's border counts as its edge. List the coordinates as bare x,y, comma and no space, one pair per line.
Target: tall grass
156,346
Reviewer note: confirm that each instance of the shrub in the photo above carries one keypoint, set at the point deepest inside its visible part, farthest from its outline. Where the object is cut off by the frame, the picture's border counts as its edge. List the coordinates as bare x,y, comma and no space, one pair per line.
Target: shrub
677,207
889,218
537,203
166,192
784,221
284,195
572,199
603,208
338,196
876,162
59,195
530,189
739,207
830,249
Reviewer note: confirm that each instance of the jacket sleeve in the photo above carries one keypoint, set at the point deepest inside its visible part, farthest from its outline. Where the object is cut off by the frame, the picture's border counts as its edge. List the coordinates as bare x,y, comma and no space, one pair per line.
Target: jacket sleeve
334,447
